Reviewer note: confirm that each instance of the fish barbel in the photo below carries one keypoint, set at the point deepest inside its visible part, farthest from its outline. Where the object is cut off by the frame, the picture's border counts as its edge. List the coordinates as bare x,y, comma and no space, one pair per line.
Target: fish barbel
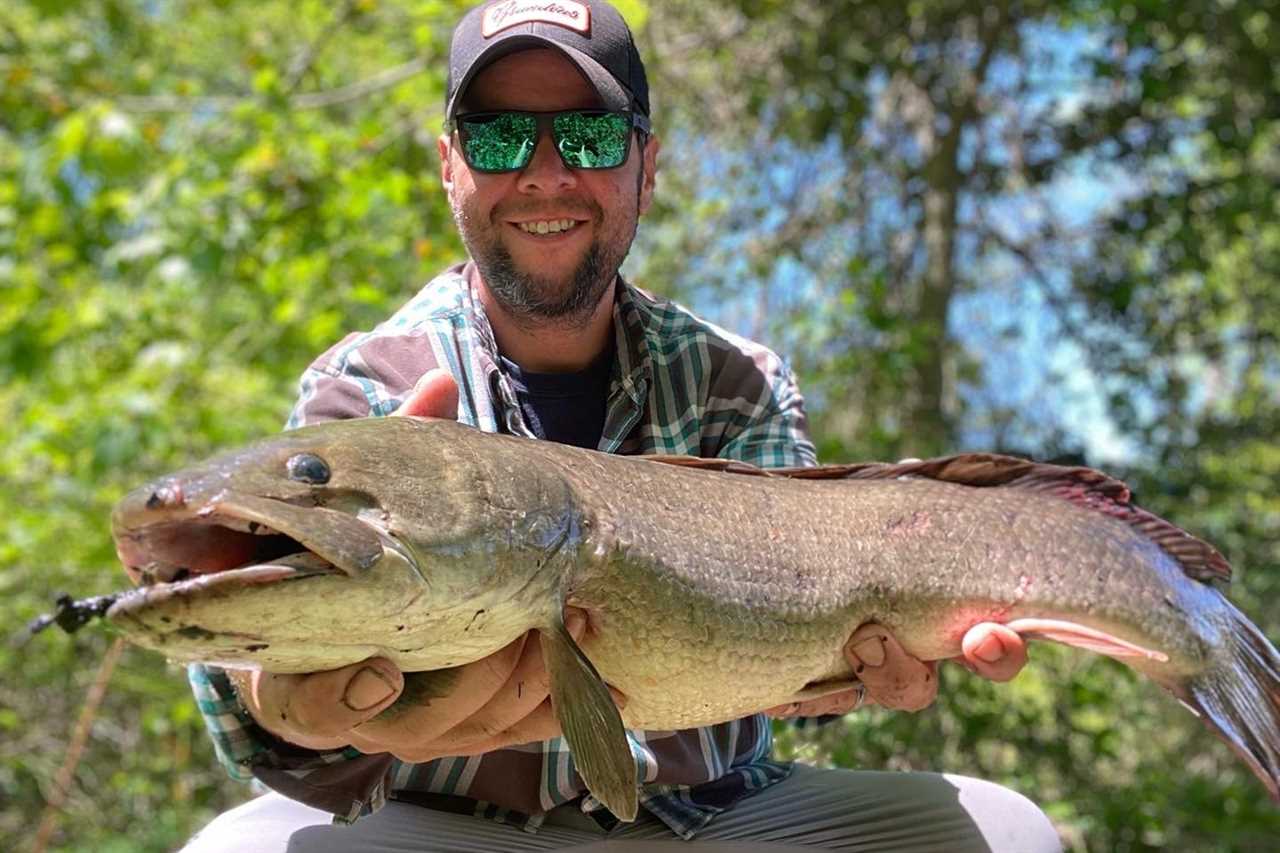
712,589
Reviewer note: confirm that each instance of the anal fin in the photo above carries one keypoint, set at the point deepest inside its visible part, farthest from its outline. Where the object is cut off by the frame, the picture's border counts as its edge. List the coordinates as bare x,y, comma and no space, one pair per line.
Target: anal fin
591,723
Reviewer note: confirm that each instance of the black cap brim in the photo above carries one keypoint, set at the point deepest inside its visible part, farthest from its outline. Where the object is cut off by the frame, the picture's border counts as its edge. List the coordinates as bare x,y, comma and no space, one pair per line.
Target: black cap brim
612,94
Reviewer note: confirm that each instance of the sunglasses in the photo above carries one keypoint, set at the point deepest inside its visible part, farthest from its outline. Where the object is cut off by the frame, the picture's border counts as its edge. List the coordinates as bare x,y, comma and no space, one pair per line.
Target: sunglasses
585,139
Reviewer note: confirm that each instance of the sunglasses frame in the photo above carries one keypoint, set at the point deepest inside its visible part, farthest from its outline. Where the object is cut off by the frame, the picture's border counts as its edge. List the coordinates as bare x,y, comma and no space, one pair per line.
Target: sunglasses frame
546,121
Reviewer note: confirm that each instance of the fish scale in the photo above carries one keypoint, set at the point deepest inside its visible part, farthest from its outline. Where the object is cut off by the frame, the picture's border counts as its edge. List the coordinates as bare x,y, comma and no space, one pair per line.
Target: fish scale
789,602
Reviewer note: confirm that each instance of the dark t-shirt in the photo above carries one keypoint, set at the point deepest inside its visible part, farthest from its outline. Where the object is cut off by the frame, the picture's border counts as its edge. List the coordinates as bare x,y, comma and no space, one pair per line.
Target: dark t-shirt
564,407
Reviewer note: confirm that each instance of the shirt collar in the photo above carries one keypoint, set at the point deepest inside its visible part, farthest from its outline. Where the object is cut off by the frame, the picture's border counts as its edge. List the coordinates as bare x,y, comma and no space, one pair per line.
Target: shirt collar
631,338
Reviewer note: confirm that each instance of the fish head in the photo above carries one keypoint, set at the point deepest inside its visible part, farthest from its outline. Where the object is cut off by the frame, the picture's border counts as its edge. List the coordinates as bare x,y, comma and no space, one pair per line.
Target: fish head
337,510
251,505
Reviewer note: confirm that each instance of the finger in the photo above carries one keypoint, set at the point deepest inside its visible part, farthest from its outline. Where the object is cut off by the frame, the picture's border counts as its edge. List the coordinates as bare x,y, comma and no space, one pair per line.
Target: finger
540,724
434,702
435,395
526,689
528,686
325,704
893,678
994,651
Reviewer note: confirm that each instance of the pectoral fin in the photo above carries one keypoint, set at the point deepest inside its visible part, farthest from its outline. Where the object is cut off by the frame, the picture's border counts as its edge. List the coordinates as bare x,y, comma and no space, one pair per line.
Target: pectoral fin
591,723
818,689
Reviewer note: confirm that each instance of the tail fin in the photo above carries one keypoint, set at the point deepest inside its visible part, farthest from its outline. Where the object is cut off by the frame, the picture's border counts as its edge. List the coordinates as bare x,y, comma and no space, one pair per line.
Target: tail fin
1238,698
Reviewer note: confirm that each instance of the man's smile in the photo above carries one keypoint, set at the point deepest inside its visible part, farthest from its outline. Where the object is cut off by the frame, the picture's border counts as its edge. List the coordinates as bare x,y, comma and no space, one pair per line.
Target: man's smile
545,230
547,226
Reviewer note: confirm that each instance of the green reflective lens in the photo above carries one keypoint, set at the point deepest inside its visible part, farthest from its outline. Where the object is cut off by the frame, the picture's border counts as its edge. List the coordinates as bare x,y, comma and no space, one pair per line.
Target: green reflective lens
585,139
592,140
499,142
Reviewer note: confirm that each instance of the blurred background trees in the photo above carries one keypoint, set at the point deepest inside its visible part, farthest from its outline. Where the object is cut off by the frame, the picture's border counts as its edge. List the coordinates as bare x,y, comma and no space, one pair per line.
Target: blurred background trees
1048,228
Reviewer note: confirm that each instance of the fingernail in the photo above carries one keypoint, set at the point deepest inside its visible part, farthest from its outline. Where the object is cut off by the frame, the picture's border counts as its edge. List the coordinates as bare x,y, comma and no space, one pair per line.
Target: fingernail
990,650
870,651
368,688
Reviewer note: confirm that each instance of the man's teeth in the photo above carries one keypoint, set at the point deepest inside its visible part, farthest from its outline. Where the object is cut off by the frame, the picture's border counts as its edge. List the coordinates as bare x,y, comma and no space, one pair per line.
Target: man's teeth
548,226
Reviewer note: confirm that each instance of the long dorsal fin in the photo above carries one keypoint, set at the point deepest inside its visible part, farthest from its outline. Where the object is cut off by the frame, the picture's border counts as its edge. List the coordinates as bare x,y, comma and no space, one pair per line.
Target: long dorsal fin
1083,486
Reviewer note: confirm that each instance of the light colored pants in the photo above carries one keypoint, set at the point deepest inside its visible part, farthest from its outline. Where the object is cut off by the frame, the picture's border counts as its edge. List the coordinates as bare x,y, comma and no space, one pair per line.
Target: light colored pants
822,809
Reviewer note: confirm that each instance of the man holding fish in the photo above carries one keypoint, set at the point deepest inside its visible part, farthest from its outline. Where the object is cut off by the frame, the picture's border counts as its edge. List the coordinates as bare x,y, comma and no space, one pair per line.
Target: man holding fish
549,160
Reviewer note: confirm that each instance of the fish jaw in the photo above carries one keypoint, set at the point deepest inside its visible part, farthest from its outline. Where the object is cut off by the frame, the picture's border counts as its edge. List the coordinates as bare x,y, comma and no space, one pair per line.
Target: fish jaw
239,579
269,616
256,583
298,615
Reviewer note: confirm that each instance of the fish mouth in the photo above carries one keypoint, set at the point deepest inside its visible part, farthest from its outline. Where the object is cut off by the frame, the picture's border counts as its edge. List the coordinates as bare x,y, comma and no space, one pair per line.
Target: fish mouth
175,551
239,538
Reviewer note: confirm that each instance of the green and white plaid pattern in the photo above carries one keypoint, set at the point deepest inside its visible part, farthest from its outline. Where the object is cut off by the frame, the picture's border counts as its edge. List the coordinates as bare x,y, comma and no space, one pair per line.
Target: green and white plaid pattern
680,385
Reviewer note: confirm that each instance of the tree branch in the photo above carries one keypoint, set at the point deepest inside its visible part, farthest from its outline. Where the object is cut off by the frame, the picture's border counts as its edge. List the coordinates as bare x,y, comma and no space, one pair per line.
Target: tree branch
384,79
75,749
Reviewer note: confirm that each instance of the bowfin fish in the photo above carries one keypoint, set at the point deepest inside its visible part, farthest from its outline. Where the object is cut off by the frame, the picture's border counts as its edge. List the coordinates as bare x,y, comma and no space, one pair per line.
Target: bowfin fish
712,589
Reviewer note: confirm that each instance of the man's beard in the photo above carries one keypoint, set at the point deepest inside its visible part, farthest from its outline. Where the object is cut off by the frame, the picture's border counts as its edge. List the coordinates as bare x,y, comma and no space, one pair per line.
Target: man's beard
536,300
533,300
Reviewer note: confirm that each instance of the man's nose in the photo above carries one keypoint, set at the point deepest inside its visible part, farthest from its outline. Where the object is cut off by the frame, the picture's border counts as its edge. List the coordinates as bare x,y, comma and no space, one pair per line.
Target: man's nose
546,172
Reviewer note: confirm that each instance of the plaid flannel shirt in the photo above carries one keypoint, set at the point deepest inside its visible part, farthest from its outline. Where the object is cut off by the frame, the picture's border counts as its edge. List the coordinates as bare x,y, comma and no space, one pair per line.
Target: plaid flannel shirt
679,385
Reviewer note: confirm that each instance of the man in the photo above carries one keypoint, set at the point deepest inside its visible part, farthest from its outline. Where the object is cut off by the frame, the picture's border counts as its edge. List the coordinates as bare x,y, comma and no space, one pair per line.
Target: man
549,161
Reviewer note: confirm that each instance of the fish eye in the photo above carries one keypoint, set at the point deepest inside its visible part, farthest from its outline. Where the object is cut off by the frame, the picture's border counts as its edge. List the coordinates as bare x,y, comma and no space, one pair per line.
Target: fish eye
308,468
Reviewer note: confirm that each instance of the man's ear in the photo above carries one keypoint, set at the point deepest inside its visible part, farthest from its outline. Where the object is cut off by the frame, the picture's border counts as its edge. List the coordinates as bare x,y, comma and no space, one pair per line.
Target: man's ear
651,148
444,145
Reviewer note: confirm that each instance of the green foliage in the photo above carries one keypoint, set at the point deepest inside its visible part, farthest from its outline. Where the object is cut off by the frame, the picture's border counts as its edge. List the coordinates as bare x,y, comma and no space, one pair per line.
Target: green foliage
192,206
197,198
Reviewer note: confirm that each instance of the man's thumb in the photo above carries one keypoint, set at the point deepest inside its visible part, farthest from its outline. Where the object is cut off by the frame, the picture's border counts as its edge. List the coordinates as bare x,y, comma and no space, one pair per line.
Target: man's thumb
893,678
323,704
435,395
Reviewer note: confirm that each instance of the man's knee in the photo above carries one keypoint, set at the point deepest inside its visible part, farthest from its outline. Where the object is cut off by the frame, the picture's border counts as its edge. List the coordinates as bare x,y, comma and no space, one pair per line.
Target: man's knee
1006,819
262,824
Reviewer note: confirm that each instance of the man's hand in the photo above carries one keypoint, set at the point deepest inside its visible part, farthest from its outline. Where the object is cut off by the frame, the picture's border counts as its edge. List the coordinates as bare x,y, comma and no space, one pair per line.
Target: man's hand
498,701
894,679
435,396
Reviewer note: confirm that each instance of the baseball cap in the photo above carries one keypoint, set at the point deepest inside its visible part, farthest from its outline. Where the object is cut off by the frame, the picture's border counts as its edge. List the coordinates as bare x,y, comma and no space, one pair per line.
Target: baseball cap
590,33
